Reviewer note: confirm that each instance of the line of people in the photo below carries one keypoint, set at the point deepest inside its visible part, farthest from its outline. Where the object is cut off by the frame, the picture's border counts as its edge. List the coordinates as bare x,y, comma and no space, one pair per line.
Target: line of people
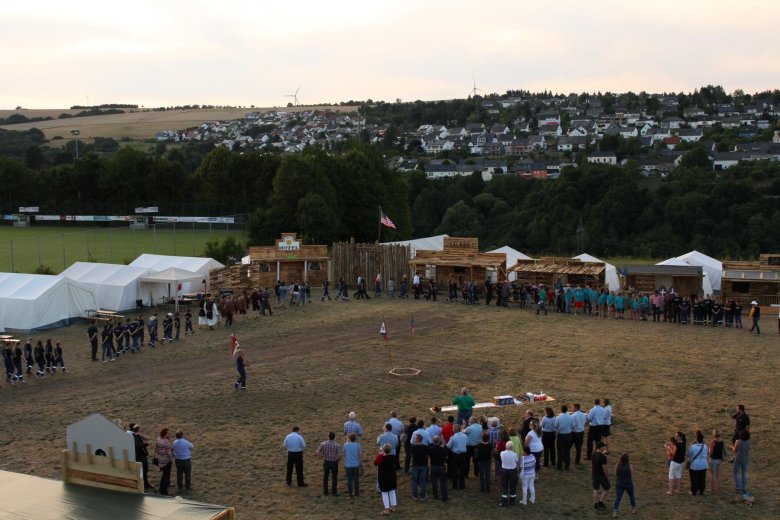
43,359
117,337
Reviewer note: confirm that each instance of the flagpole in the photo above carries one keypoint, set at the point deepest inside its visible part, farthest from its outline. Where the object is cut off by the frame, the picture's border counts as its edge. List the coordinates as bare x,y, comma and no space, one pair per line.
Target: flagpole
379,227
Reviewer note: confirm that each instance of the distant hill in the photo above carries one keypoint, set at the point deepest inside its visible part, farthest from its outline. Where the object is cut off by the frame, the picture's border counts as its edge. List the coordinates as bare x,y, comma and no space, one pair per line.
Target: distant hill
137,124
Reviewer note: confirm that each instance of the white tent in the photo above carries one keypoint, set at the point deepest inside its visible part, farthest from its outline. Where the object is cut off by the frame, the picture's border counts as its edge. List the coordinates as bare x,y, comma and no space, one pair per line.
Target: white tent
512,256
189,263
610,273
713,269
38,301
706,283
117,287
434,243
173,276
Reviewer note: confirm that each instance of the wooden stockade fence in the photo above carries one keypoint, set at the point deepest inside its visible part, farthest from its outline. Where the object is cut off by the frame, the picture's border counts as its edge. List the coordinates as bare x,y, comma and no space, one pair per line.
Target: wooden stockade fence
389,260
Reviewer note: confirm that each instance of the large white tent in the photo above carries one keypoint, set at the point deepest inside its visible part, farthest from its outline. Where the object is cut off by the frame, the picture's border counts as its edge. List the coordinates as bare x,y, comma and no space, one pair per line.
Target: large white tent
38,301
117,287
434,243
169,279
610,273
194,264
711,268
512,256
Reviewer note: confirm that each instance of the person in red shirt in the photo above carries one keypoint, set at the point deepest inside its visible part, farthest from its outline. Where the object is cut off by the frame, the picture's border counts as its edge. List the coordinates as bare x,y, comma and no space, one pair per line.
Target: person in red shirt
448,430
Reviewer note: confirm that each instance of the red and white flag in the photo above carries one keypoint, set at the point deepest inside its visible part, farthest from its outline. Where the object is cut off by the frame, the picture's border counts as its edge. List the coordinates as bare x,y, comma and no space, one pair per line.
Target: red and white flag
234,345
385,220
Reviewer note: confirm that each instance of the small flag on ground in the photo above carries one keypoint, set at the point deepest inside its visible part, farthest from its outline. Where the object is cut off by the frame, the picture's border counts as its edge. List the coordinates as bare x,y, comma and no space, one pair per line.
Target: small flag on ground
234,345
385,220
413,325
383,331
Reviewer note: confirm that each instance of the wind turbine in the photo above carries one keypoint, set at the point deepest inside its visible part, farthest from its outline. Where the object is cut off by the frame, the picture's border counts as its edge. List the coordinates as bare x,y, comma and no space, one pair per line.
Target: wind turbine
294,96
475,89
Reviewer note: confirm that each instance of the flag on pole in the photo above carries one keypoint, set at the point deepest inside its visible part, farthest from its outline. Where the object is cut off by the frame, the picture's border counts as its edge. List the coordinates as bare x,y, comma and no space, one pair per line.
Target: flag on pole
413,325
234,345
385,220
383,331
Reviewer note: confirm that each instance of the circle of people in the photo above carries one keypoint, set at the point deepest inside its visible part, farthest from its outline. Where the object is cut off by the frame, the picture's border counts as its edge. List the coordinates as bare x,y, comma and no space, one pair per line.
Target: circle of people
437,454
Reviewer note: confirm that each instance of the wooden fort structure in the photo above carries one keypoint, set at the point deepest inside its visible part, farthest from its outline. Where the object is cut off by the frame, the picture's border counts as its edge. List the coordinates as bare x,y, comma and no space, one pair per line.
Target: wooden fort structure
288,260
548,270
748,281
351,259
460,261
686,280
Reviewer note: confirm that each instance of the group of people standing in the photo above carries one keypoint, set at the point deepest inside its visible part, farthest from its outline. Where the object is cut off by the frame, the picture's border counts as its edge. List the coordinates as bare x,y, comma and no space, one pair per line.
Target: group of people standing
42,359
118,337
166,455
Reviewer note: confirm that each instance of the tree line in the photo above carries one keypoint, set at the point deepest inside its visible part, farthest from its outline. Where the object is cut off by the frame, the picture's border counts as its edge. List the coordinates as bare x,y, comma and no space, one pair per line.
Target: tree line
336,195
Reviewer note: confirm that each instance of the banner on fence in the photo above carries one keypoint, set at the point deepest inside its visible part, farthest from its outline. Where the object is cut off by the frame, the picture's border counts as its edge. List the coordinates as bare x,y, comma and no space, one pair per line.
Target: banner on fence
83,218
196,220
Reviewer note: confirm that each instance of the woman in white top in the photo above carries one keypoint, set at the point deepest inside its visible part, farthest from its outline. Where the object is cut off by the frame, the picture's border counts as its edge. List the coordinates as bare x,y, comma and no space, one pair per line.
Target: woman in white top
508,475
534,441
527,475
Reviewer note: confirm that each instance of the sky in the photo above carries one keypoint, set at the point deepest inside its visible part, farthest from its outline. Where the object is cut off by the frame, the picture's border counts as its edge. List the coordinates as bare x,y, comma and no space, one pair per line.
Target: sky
243,53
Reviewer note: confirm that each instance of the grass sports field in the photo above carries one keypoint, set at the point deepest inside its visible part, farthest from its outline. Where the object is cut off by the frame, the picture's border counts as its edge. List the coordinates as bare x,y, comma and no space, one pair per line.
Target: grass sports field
22,250
311,366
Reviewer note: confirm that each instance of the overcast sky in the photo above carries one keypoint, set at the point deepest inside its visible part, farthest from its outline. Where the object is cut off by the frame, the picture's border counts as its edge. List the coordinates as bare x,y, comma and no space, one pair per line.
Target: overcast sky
155,53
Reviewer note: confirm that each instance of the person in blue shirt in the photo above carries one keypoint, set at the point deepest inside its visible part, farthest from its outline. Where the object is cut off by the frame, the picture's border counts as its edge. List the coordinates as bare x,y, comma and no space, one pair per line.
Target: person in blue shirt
563,429
353,456
474,434
388,437
620,304
579,300
458,444
241,364
182,454
645,306
611,304
294,444
602,304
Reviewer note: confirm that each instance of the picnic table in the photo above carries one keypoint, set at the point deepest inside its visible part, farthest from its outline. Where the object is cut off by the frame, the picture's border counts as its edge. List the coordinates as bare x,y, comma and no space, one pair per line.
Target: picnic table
490,404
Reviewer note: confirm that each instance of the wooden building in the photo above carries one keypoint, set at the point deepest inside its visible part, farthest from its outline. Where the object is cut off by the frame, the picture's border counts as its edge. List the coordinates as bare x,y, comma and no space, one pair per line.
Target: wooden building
460,260
549,270
351,259
287,260
686,280
748,281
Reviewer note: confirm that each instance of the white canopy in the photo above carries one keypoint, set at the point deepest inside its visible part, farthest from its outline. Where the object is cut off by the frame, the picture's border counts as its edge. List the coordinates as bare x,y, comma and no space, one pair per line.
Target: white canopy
434,243
117,287
167,277
512,256
706,283
713,268
610,273
38,301
195,264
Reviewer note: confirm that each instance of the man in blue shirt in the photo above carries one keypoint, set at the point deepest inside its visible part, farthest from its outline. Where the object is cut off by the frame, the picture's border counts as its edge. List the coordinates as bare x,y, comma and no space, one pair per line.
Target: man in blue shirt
578,431
353,456
434,430
563,426
182,452
352,426
458,444
596,419
474,434
398,429
421,432
388,437
294,444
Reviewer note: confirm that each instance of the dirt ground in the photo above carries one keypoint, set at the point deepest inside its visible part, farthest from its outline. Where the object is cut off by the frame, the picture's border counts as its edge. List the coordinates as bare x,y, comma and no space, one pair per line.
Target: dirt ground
311,366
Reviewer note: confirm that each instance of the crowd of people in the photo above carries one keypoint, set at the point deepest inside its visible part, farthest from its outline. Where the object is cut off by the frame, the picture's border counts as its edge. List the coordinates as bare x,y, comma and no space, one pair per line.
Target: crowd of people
166,455
439,458
35,361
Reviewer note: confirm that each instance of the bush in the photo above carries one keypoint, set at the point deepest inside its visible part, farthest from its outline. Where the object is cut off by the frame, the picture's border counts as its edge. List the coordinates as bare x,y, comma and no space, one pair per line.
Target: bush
43,269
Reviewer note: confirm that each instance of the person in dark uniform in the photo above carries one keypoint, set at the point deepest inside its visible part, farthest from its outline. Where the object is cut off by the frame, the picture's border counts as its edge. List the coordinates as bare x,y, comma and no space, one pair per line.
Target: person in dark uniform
241,364
8,355
706,307
92,335
698,313
325,290
119,338
107,339
177,326
188,321
717,314
488,291
141,331
152,330
685,309
28,355
676,300
728,313
49,356
58,359
168,327
126,333
737,307
40,360
17,361
132,331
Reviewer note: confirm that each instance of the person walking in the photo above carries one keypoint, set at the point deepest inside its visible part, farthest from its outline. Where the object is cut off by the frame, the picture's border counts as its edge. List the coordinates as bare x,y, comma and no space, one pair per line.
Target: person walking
755,315
330,453
624,483
182,454
295,444
741,450
600,476
92,335
353,462
241,364
386,479
164,455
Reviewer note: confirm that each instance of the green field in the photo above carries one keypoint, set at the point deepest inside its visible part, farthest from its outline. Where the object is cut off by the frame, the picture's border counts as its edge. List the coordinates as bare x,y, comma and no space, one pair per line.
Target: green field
22,250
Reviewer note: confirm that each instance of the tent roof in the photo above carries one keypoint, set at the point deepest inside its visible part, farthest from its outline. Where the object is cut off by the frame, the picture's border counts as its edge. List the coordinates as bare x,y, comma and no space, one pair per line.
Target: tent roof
20,498
511,252
104,274
696,258
30,286
172,274
434,243
161,262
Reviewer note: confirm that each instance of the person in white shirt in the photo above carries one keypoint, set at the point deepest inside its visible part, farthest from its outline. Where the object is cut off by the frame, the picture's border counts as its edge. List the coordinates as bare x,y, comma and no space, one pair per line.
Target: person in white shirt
527,475
509,461
578,431
606,426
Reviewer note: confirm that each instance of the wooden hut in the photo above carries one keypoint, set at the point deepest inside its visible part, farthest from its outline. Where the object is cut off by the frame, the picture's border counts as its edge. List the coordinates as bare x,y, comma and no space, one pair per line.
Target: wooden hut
288,260
686,280
549,270
460,260
748,281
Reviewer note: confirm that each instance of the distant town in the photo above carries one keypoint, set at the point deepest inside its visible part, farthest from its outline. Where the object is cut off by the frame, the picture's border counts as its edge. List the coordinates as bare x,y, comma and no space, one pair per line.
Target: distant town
525,134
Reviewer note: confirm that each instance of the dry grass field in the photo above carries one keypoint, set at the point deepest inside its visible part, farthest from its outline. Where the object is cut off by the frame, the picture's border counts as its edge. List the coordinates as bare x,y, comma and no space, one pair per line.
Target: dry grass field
313,365
139,124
